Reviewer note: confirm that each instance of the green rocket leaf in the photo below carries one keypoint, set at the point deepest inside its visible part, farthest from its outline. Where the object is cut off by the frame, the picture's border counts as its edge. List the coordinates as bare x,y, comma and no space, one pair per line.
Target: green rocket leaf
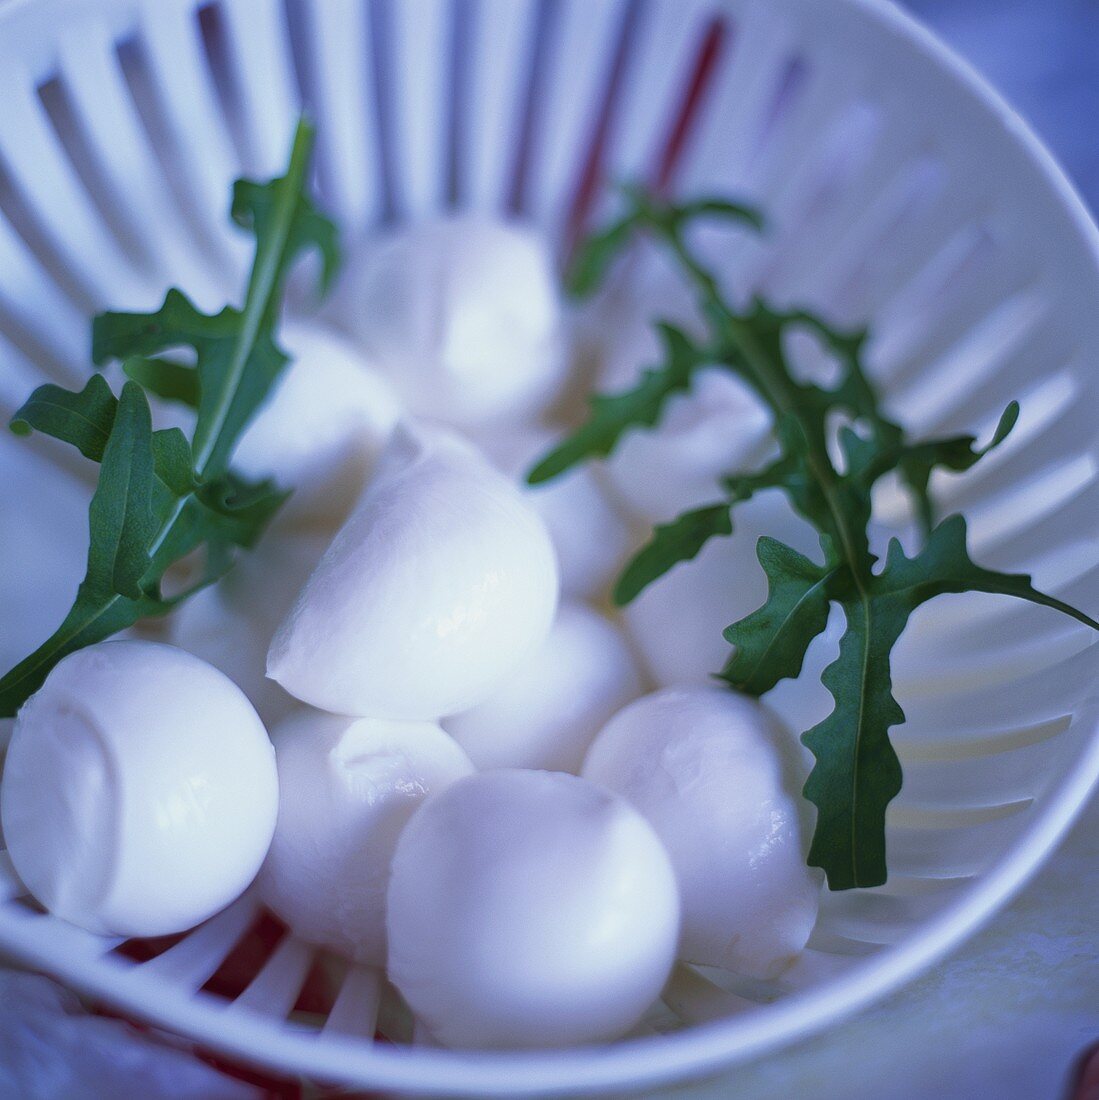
160,496
857,772
612,416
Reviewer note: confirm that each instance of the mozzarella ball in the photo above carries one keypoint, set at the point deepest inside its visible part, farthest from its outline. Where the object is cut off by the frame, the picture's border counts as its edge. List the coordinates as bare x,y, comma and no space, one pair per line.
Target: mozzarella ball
463,315
552,706
140,792
529,909
44,518
590,536
321,430
347,787
677,623
717,427
231,623
439,585
713,772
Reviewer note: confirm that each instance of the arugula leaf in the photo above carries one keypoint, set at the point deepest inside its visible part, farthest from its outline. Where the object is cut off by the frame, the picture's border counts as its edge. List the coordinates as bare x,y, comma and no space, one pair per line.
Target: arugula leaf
274,214
944,566
159,496
857,772
599,251
164,378
958,453
240,510
84,419
236,366
684,538
713,208
121,517
237,359
122,525
770,643
680,540
612,416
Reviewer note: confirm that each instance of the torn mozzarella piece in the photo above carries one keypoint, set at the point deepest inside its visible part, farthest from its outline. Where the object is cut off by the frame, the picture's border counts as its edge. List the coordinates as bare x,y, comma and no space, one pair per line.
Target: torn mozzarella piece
714,774
231,623
717,427
591,538
139,792
529,909
552,706
321,430
677,623
346,789
463,315
439,585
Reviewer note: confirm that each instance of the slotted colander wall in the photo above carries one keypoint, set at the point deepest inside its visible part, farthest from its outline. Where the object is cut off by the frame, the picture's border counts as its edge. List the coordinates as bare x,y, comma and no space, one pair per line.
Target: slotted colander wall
900,193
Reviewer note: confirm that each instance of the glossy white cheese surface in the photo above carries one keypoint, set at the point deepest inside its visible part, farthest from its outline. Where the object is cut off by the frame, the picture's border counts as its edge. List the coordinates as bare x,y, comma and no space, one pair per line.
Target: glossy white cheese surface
439,585
548,710
139,792
717,777
529,909
463,315
346,789
322,429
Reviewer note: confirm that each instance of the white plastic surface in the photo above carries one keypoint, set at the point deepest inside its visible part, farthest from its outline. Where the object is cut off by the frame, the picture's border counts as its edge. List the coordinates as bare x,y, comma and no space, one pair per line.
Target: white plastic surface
901,193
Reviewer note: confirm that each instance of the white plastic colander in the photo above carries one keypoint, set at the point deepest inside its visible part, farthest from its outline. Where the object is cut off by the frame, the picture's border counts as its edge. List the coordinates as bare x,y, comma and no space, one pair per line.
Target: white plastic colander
900,192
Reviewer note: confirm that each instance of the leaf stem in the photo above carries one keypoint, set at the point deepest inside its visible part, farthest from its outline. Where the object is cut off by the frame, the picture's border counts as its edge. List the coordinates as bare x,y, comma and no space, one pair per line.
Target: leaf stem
778,393
262,287
782,396
857,772
118,598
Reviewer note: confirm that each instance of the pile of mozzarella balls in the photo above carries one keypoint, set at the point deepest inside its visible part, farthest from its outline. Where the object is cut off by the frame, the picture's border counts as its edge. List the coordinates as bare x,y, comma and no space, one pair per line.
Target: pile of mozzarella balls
410,719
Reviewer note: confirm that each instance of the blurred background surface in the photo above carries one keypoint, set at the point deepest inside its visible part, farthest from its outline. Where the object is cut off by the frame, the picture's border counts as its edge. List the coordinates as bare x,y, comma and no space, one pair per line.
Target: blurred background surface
1043,56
